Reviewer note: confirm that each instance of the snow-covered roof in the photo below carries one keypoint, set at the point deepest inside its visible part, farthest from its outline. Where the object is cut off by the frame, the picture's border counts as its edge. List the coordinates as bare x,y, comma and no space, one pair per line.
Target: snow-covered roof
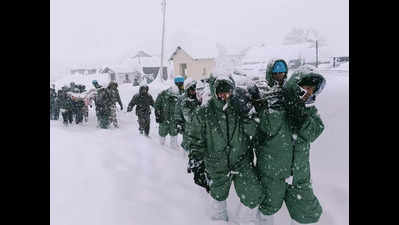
136,63
198,52
141,54
263,53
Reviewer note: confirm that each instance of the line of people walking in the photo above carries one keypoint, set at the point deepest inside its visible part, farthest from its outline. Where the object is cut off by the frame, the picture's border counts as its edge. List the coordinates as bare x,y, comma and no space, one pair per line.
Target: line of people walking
256,137
73,103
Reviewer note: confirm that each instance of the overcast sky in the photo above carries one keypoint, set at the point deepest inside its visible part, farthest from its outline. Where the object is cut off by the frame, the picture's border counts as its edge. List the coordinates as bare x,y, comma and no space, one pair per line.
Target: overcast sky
93,32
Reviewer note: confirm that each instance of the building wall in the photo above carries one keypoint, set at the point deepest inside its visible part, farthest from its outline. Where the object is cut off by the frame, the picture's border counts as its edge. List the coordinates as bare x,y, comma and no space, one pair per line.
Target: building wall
195,67
198,68
180,58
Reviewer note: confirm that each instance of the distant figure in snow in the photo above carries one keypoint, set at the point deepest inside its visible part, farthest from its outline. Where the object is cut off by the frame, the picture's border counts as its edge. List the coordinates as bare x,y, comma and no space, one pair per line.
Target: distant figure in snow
288,124
114,92
54,110
165,111
64,102
186,107
143,100
104,102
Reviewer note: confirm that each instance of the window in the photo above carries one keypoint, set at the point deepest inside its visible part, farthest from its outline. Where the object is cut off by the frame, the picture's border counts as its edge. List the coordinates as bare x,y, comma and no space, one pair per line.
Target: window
183,69
203,71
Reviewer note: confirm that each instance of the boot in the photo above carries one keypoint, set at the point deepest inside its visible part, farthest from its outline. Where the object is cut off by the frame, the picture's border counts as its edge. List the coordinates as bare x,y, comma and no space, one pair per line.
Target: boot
219,210
162,140
264,219
173,142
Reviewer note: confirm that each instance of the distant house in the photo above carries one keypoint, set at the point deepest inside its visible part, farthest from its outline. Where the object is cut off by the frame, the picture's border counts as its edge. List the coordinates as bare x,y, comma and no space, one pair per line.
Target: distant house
152,72
141,66
343,59
187,66
149,65
83,71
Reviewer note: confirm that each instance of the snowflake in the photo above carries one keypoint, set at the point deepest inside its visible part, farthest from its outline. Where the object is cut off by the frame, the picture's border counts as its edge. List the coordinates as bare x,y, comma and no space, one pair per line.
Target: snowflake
298,196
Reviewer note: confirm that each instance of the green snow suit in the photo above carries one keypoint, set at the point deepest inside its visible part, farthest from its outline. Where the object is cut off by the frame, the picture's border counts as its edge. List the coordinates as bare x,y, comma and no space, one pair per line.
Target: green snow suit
185,108
165,111
221,137
104,102
285,153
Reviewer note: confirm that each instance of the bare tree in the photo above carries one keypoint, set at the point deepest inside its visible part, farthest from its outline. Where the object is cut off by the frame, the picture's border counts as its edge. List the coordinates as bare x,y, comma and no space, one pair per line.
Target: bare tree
301,35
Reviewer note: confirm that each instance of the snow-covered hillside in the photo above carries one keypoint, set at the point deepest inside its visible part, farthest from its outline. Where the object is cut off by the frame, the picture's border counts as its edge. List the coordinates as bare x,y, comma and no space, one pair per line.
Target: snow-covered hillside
118,177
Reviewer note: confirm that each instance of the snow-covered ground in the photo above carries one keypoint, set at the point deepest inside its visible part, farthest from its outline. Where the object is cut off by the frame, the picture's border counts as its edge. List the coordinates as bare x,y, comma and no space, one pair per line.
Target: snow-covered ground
117,177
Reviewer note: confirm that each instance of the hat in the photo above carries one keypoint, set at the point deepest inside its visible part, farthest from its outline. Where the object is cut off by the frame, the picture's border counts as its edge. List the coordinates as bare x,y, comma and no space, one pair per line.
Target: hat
279,67
179,80
94,82
310,81
223,86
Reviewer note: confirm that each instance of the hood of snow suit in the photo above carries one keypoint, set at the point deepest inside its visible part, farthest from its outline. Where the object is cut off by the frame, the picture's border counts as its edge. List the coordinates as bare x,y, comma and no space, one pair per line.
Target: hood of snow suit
305,74
269,70
189,82
222,80
142,89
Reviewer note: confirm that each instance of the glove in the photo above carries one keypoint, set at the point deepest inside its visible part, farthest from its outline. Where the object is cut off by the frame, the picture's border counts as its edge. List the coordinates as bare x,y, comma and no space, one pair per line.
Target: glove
180,128
254,92
295,108
157,117
200,174
240,100
190,165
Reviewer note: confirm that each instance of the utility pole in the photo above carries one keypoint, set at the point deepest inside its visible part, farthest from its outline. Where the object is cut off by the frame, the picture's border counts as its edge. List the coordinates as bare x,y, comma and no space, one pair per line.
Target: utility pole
163,36
317,55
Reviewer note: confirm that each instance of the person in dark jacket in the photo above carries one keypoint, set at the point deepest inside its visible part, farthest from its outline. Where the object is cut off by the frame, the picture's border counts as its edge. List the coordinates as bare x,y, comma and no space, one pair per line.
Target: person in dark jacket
113,90
54,111
64,102
186,107
78,108
184,110
104,102
92,98
143,100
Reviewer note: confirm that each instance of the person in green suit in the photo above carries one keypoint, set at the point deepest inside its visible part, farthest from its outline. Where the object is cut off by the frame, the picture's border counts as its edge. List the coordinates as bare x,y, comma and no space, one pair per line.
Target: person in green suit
220,137
289,124
186,107
165,111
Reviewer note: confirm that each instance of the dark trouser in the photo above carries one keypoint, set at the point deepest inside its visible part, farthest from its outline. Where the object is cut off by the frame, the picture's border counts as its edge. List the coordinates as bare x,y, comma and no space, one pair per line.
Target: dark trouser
67,116
200,176
78,115
56,113
86,113
104,117
144,123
